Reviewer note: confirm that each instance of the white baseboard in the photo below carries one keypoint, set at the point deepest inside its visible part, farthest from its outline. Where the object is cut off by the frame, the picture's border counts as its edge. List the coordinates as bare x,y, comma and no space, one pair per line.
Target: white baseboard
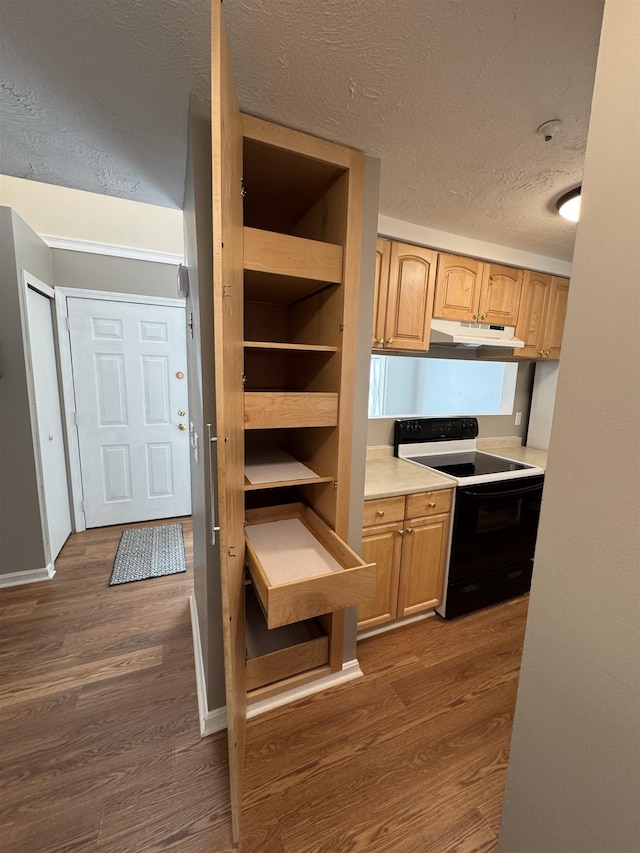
30,576
210,721
350,670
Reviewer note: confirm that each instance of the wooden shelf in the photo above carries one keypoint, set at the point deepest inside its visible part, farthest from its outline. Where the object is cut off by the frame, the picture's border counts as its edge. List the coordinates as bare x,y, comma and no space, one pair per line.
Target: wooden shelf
300,568
280,409
287,347
271,288
273,467
294,257
273,655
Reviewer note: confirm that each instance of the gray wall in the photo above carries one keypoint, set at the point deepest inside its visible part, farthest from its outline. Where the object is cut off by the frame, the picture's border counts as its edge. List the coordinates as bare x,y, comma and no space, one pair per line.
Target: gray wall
574,777
21,535
116,275
380,430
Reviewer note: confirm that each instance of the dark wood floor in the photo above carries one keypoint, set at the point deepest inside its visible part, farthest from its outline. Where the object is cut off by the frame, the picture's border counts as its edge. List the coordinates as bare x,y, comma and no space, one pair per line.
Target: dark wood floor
100,746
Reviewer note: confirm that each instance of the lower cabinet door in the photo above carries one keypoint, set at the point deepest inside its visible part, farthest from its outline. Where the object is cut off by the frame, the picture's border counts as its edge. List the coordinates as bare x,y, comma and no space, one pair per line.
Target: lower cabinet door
382,545
423,563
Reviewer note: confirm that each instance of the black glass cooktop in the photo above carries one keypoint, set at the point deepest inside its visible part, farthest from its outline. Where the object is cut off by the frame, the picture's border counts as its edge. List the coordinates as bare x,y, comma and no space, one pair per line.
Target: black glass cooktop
469,464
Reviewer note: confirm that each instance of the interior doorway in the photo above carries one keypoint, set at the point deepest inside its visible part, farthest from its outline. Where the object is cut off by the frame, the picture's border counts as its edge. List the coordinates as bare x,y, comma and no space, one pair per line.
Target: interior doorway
124,375
46,420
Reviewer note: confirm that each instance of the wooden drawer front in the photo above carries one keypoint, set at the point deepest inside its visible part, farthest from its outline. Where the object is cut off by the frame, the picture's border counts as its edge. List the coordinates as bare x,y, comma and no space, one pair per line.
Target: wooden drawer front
284,663
300,568
429,503
383,510
282,254
280,409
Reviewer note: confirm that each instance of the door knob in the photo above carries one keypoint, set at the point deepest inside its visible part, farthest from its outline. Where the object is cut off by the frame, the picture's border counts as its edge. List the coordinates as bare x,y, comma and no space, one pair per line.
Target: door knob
182,426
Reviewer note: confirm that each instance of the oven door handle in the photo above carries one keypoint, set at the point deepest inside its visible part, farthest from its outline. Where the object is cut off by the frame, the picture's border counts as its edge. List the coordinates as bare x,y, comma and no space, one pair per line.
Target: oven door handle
508,493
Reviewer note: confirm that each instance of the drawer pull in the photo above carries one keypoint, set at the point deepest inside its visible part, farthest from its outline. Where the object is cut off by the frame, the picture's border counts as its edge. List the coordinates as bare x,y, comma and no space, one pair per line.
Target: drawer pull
432,504
409,529
400,532
380,512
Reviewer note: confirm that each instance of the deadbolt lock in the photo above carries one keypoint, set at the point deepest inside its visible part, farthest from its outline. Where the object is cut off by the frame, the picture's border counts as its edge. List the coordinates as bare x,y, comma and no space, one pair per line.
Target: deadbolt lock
181,413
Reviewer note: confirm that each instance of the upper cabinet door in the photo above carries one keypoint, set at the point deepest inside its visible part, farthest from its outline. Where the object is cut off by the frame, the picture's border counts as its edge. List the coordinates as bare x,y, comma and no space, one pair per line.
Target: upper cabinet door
457,288
536,289
412,277
556,311
500,294
226,131
383,257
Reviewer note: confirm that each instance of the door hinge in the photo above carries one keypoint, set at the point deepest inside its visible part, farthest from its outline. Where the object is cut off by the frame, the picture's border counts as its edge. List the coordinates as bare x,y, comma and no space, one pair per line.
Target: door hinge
75,418
67,323
244,379
243,189
342,327
190,324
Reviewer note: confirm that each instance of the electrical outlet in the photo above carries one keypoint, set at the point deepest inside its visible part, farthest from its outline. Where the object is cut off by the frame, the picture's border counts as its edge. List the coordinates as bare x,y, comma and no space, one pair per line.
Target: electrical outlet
518,419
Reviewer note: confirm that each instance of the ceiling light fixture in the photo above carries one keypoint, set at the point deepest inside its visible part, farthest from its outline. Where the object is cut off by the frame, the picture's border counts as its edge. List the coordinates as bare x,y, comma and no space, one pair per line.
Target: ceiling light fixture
568,205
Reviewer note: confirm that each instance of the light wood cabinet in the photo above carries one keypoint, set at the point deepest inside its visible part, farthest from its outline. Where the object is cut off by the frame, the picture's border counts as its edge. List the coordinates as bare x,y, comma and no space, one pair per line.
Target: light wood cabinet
424,552
405,282
554,321
286,237
410,551
477,291
542,312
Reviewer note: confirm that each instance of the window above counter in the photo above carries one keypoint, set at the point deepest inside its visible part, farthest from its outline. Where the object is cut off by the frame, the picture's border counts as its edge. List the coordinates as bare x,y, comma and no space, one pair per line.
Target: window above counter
406,387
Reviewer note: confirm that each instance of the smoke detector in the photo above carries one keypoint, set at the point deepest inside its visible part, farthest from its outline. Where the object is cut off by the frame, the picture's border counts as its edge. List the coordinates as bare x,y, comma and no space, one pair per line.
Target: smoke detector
549,129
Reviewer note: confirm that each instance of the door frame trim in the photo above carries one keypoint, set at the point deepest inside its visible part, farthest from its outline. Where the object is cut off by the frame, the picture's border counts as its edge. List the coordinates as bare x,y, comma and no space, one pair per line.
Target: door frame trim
62,295
30,281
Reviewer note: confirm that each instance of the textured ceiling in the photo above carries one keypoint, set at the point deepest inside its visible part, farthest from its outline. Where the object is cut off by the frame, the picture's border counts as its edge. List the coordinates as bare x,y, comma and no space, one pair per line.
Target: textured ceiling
447,93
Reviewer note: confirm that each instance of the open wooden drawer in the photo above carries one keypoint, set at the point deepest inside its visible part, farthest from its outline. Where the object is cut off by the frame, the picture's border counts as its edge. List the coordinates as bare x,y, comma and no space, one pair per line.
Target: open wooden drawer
300,568
281,653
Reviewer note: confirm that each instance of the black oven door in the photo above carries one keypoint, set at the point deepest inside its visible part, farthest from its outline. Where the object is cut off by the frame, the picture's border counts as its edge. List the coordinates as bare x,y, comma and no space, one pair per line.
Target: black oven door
495,526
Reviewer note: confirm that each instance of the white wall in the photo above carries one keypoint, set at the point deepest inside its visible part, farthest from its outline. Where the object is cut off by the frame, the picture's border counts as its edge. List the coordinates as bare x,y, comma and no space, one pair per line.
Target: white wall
574,776
62,212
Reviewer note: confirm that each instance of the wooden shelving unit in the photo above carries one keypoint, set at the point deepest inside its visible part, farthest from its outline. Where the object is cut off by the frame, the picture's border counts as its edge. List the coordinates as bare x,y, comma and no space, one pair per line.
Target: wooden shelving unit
287,231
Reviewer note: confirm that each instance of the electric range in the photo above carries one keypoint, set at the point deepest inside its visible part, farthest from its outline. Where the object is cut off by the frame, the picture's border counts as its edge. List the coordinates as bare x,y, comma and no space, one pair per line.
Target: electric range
495,515
448,445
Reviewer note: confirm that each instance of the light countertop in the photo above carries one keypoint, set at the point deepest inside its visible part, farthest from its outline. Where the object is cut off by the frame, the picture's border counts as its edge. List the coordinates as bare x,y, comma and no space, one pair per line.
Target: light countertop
513,450
387,476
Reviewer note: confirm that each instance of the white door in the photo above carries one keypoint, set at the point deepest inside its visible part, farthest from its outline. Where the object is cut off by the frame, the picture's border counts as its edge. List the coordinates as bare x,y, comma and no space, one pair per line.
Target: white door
48,418
129,373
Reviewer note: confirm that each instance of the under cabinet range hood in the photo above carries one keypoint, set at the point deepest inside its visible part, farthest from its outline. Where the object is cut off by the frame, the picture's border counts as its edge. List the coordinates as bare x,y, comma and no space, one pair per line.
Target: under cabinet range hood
460,334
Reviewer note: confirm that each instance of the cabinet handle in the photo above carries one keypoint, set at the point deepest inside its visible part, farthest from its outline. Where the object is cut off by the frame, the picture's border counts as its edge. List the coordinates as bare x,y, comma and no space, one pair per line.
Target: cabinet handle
476,317
409,529
541,352
390,341
547,353
380,512
400,532
380,341
484,316
432,504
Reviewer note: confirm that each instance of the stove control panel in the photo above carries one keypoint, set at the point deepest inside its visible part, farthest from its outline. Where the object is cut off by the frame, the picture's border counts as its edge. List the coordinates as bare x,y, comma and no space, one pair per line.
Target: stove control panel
414,430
